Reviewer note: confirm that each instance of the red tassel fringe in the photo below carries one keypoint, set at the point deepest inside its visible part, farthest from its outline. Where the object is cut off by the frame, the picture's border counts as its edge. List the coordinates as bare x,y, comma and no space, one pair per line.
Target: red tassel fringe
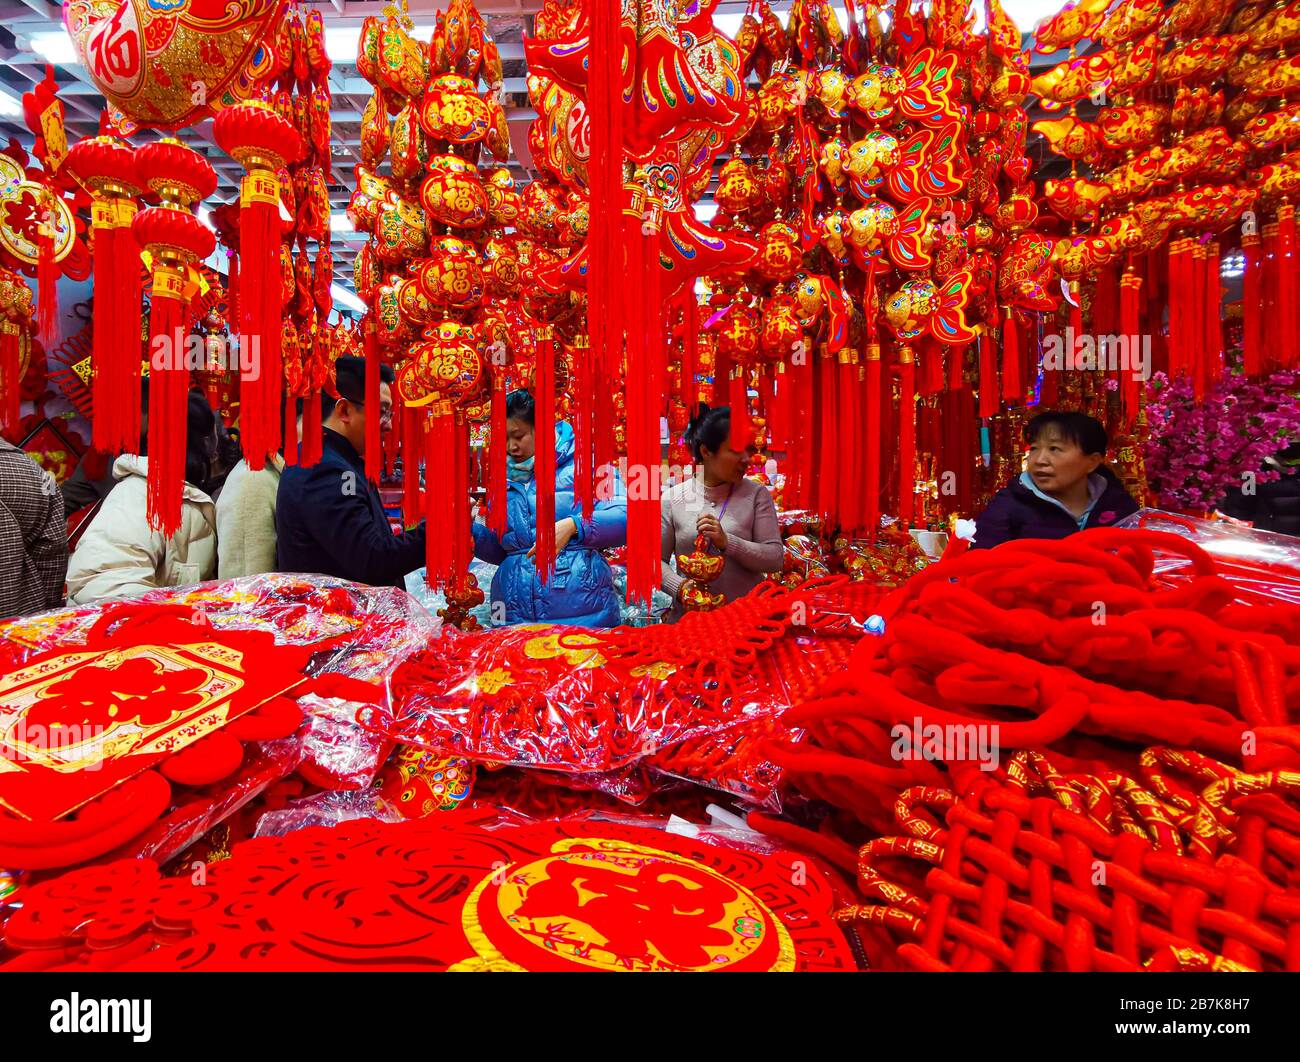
260,324
168,387
544,465
374,444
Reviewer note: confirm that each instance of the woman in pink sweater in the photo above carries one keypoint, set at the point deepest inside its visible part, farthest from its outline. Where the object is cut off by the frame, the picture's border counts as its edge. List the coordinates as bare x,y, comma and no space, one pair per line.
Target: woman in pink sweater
735,515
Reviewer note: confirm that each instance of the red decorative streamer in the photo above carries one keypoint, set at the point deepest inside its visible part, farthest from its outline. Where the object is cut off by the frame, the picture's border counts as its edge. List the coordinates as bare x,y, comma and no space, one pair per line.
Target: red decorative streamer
988,379
496,456
169,383
1286,286
47,292
260,308
1013,358
311,429
1130,303
544,464
906,436
290,442
872,421
1251,305
439,481
1212,336
738,399
374,453
10,379
412,450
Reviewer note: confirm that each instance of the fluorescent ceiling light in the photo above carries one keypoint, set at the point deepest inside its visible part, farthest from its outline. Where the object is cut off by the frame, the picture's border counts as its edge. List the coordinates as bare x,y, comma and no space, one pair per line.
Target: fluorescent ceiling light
9,104
54,46
341,41
345,298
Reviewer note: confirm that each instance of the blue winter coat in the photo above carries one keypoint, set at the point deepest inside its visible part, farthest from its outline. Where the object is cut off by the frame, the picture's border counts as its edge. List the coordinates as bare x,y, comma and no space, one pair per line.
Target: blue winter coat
580,591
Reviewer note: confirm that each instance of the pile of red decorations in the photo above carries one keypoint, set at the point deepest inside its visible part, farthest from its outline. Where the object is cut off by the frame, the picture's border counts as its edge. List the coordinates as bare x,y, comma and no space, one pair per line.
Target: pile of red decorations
1022,723
465,893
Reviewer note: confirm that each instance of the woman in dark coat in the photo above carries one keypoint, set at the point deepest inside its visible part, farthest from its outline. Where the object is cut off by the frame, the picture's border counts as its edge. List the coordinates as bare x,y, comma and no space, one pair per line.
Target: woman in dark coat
580,592
1065,486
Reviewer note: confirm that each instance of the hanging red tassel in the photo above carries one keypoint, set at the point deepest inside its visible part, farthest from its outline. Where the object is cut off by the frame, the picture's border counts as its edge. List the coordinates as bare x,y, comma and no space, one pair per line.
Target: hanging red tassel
848,419
738,400
169,383
1105,303
906,436
496,456
1177,272
828,424
1251,305
799,459
10,378
988,379
872,421
439,479
1013,358
232,288
583,423
1212,337
544,465
1130,295
374,451
1287,280
289,445
47,290
691,353
1194,323
611,258
412,451
312,439
463,540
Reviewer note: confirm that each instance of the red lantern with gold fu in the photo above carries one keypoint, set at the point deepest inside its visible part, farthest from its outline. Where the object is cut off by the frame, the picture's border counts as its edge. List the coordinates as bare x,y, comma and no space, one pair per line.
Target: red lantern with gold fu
778,251
453,193
452,275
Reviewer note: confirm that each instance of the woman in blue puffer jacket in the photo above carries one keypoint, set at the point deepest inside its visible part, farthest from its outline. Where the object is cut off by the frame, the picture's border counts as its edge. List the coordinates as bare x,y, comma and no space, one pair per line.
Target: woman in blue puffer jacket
580,592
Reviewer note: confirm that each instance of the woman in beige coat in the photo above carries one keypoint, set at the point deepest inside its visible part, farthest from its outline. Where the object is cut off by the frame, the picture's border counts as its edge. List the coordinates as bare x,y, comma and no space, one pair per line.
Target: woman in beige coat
120,555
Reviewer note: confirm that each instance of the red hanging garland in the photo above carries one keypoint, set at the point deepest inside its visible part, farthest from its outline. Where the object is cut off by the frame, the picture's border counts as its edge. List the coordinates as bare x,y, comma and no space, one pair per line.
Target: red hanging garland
544,465
872,423
1013,358
374,451
906,435
1130,295
1286,286
1251,305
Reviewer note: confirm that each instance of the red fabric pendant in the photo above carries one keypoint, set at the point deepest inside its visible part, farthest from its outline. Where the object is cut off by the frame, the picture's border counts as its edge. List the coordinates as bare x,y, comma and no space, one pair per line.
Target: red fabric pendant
1130,303
117,343
374,453
691,353
169,383
260,308
583,417
801,451
1287,281
872,422
47,293
1105,303
544,465
10,381
988,377
1013,358
312,439
906,436
1251,305
290,443
849,421
439,483
412,451
1194,322
496,456
931,368
458,521
1212,336
828,441
738,399
1269,332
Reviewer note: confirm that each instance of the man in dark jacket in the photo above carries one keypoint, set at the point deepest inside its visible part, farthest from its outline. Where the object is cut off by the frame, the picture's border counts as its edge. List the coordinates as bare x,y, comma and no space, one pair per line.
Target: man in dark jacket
328,518
1065,487
33,536
1272,505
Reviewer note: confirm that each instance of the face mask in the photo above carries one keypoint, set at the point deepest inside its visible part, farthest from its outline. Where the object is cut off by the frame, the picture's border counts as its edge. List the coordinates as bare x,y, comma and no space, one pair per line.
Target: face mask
519,471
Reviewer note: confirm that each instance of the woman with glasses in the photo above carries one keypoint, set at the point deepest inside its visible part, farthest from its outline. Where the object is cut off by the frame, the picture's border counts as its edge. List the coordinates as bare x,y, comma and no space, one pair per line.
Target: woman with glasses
580,591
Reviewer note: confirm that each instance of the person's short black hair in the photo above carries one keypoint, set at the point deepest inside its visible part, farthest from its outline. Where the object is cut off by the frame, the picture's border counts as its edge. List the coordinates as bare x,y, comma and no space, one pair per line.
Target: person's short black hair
709,427
520,406
350,382
1087,433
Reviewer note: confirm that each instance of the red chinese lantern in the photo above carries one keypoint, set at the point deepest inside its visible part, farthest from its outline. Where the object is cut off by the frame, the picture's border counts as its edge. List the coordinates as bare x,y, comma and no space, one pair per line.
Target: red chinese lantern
174,239
263,143
107,166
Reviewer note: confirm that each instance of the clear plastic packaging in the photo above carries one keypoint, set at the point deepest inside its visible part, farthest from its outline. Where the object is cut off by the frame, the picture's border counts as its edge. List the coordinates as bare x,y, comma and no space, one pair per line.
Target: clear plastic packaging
1263,566
326,809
